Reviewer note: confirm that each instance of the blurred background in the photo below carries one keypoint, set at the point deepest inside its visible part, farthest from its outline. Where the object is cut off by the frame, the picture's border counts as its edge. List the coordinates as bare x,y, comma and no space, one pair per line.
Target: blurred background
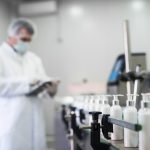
79,40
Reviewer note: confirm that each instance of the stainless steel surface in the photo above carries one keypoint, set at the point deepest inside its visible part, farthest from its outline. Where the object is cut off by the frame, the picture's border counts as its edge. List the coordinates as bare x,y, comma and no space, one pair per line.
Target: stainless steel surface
124,124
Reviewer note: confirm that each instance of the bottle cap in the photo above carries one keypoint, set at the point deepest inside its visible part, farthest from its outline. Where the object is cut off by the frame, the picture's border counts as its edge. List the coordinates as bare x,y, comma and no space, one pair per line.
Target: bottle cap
145,103
91,100
130,101
116,100
100,99
105,99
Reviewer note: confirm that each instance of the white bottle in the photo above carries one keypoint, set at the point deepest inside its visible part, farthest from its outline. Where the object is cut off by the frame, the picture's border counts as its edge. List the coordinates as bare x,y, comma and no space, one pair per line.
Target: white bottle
105,106
116,113
92,104
79,102
144,120
86,103
95,102
130,115
86,108
98,103
75,101
91,108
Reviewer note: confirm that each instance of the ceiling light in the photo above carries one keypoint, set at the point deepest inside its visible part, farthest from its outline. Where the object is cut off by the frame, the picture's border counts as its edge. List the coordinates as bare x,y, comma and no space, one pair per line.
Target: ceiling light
138,5
76,11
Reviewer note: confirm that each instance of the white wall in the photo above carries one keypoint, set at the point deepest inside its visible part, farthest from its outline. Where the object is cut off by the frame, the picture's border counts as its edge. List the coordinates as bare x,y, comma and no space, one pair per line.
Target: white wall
91,37
5,17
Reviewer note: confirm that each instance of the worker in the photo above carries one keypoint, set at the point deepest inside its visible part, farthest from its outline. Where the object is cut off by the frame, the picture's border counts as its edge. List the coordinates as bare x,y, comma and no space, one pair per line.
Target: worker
21,116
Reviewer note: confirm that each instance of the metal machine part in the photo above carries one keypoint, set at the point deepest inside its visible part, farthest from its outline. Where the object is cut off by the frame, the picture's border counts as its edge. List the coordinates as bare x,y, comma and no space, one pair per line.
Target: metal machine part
128,62
107,126
75,135
139,79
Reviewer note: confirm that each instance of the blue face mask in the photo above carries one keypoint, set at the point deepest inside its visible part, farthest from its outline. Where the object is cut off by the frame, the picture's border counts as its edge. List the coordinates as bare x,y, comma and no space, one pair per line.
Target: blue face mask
21,47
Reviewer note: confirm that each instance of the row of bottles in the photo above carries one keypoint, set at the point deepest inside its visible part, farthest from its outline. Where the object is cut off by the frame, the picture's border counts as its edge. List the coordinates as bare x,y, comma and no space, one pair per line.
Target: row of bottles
116,112
144,120
129,114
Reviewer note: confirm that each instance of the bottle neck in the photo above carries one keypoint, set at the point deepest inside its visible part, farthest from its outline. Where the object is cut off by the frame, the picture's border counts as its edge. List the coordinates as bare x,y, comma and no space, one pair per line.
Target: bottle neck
105,102
131,103
115,102
100,102
145,104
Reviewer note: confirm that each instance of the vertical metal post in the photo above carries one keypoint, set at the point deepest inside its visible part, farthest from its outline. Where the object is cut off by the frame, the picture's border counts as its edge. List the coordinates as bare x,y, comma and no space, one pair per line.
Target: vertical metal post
72,146
127,51
137,83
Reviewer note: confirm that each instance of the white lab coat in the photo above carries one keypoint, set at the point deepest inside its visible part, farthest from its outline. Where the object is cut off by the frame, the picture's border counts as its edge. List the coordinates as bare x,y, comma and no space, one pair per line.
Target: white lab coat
21,117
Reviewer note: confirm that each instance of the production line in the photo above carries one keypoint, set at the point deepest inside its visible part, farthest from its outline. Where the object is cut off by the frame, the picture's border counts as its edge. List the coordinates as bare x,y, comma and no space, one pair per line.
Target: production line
112,123
74,75
117,123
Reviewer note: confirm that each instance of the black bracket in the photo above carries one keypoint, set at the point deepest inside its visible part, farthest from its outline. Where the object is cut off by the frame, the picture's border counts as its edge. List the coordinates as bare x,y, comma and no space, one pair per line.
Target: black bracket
106,126
96,143
132,76
82,116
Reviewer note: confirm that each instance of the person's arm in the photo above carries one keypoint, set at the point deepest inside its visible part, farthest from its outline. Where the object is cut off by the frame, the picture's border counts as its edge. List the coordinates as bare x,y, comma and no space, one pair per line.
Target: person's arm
13,86
51,87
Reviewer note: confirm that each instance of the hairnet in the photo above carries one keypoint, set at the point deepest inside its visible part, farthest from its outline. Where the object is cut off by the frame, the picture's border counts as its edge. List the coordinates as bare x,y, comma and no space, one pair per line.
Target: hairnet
20,23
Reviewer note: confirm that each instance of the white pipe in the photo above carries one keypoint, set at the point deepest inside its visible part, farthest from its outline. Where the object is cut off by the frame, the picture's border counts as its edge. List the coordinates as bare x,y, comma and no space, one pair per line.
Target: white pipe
127,52
136,83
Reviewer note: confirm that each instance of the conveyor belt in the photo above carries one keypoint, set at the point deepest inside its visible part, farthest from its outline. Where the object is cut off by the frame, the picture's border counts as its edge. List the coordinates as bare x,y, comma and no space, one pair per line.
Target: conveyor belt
62,142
